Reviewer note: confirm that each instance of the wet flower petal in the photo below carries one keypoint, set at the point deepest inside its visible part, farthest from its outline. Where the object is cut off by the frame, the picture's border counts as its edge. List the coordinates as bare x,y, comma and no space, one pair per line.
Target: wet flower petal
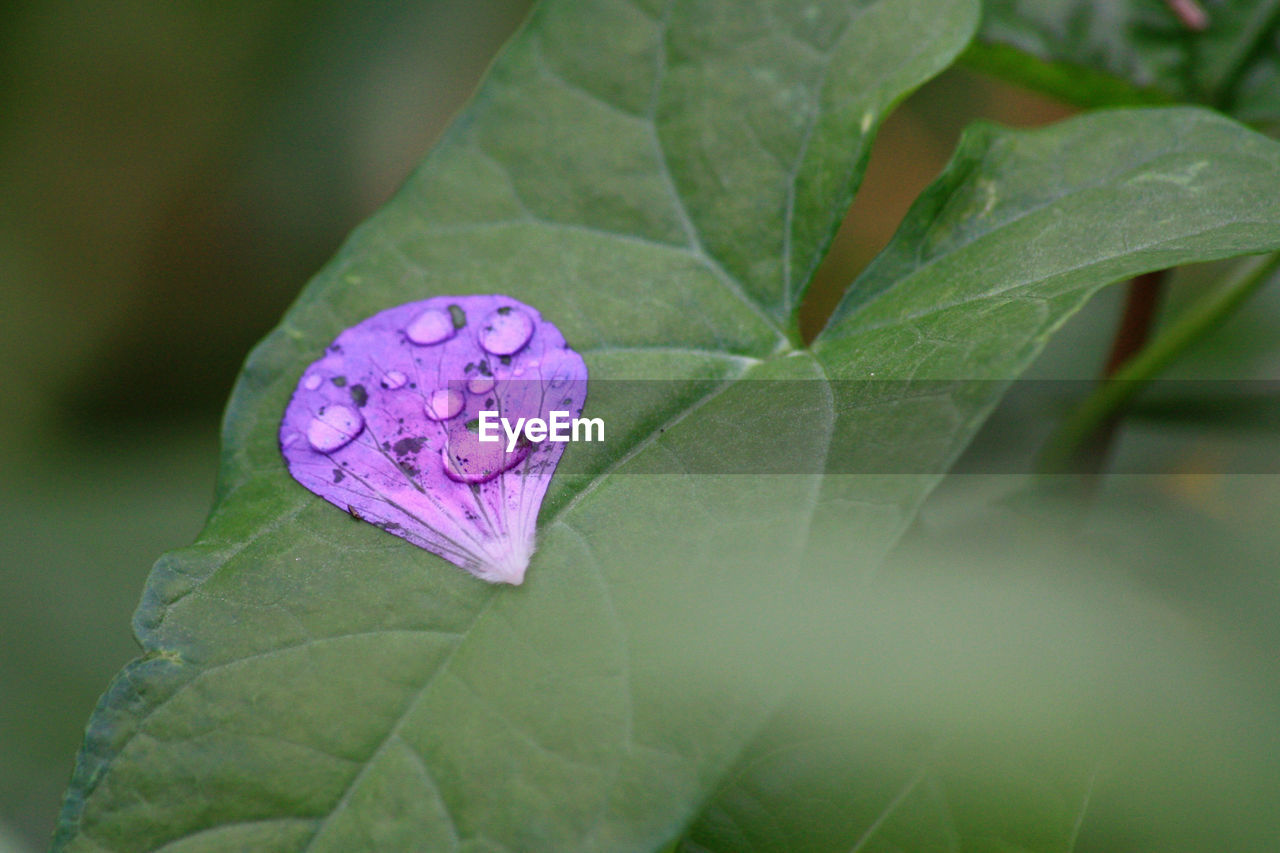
384,426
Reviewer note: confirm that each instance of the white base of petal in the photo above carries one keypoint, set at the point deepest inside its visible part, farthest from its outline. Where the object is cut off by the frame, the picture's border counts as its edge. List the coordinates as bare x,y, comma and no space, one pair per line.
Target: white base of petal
507,563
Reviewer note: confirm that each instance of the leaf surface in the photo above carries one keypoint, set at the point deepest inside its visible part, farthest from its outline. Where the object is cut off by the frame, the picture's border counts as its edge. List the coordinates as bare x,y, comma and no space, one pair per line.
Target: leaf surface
1018,231
657,179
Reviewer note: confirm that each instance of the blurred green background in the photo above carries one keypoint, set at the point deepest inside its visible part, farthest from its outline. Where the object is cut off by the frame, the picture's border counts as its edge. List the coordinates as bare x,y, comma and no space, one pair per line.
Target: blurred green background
174,173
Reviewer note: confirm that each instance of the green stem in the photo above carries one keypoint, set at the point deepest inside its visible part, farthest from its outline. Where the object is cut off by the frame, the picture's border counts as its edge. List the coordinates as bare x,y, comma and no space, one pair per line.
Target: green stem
1105,403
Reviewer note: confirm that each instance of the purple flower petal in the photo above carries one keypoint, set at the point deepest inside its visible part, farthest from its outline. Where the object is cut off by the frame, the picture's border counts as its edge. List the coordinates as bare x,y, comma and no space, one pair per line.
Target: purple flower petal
385,426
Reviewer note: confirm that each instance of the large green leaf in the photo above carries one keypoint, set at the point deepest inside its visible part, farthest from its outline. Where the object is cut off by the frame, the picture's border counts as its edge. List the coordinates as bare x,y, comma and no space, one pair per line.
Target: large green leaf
1095,52
659,182
658,179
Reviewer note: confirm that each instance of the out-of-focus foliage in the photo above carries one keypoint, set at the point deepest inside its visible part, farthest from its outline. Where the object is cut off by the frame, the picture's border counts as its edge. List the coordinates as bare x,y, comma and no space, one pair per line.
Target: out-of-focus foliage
1113,52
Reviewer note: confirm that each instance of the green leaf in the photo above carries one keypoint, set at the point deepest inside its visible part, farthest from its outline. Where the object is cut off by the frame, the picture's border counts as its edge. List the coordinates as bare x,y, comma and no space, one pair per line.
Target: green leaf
1019,230
658,180
311,683
1098,52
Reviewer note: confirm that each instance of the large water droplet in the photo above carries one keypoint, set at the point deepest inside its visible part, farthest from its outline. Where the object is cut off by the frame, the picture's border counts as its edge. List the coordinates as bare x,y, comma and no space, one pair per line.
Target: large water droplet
506,331
467,459
430,327
312,382
444,403
480,384
334,428
393,379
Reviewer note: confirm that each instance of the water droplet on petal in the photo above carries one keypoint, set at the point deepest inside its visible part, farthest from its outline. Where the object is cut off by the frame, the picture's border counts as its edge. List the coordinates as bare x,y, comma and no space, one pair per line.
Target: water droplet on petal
444,403
480,384
506,331
312,382
333,428
393,379
430,327
467,459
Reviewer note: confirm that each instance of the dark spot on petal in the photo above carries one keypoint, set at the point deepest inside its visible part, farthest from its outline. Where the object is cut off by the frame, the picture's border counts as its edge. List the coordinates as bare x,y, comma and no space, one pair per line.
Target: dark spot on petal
340,381
458,316
338,475
406,446
358,395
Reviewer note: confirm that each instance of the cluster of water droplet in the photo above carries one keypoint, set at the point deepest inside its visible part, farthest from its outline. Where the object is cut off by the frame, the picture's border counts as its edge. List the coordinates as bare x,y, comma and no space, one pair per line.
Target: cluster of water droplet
388,417
504,333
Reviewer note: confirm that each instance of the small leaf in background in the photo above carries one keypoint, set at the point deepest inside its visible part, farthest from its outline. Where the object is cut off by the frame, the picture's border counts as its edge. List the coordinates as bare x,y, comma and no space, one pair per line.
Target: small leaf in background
387,426
1103,52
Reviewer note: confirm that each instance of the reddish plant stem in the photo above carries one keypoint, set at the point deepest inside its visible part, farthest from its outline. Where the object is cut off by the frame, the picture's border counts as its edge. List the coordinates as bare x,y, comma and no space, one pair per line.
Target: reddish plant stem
1142,303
